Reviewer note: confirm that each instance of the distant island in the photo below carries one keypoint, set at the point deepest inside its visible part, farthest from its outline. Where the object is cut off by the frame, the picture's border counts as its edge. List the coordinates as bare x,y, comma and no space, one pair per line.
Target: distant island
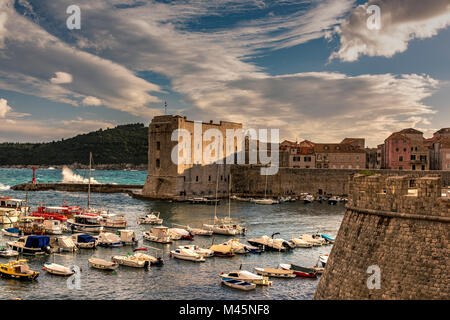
122,147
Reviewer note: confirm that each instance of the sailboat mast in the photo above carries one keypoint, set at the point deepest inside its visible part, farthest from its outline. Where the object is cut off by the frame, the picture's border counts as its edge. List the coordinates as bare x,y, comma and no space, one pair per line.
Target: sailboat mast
89,184
229,197
217,188
265,189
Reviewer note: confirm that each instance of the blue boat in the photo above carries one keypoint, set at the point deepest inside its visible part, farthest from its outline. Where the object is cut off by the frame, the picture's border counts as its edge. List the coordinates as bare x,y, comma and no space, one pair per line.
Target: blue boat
31,245
327,238
85,241
238,284
12,232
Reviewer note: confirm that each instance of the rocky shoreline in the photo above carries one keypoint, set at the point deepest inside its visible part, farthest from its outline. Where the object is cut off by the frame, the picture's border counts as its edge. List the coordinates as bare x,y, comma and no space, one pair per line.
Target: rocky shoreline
121,166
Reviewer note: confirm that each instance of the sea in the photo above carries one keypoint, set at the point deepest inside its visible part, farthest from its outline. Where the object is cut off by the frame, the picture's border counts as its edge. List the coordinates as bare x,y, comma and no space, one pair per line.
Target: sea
176,279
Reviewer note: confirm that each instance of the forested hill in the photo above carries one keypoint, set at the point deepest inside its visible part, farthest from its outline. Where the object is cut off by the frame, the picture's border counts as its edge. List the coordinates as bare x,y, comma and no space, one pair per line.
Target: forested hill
122,144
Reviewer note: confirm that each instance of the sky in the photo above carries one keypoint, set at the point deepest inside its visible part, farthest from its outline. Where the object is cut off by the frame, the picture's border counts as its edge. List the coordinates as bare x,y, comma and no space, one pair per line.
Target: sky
316,70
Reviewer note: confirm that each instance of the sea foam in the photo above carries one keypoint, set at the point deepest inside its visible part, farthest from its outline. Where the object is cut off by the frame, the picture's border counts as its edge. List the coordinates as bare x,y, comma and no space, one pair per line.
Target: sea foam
70,177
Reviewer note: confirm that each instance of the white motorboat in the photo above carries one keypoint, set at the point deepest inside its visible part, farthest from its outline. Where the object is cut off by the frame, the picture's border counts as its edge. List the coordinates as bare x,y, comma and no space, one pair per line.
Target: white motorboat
12,232
299,243
200,232
57,269
200,251
84,241
85,223
238,284
158,234
264,201
308,198
146,257
270,244
240,248
53,227
111,240
321,263
5,252
187,254
112,221
315,241
152,218
180,234
131,261
221,229
247,276
128,237
65,243
277,273
102,264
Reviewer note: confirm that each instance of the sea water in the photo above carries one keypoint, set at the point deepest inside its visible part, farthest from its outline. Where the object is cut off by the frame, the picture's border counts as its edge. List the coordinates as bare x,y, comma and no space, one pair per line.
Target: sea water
176,279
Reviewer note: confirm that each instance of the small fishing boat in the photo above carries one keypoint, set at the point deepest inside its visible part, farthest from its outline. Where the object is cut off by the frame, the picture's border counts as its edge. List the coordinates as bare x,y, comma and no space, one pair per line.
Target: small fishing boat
270,244
84,241
308,199
238,284
321,263
221,229
327,238
12,232
247,276
128,237
85,223
102,264
11,209
187,254
64,243
221,250
200,232
200,251
112,221
277,273
51,213
241,248
109,240
31,225
333,200
146,257
131,261
158,234
53,227
18,269
152,218
300,271
6,253
315,241
33,245
180,234
299,243
57,269
266,201
9,215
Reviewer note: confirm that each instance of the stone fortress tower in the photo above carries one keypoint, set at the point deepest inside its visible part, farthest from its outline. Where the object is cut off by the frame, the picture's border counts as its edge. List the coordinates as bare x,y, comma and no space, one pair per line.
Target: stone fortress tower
168,180
399,224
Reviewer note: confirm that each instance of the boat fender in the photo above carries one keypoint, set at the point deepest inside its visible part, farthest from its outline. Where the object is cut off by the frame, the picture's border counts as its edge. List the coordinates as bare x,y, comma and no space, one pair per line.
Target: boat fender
47,250
146,264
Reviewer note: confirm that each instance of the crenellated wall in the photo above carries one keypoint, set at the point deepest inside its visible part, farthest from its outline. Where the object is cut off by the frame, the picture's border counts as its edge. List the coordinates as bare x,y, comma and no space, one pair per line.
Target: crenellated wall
399,224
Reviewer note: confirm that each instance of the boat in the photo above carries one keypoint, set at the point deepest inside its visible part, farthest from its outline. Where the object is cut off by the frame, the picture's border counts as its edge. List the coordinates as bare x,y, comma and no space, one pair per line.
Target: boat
152,218
64,243
265,200
85,223
128,237
321,263
146,257
241,248
221,229
308,199
51,213
6,253
333,200
327,238
300,243
113,221
102,264
158,234
198,250
270,244
33,245
109,240
84,241
57,269
11,209
200,232
277,273
288,245
12,232
180,234
238,284
18,269
187,254
300,271
53,227
31,225
203,200
9,215
131,261
247,276
315,241
221,250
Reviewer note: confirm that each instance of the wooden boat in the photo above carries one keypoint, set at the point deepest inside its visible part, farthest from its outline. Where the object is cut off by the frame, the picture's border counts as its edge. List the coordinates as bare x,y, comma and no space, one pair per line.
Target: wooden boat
109,240
31,225
187,254
113,221
300,271
12,232
247,276
158,234
200,251
33,245
152,218
57,269
6,253
18,269
146,257
238,284
222,251
85,223
131,261
277,273
102,264
84,241
128,237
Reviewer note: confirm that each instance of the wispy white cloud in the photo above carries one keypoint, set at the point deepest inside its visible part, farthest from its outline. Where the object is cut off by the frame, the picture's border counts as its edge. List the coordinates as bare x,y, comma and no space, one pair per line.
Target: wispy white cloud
61,77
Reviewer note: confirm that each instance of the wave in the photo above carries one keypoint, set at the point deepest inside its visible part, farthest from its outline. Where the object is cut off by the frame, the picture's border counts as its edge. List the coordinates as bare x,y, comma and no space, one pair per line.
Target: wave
3,187
70,177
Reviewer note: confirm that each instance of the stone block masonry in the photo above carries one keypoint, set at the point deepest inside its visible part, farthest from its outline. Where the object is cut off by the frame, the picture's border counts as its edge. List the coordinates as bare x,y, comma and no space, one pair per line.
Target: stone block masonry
401,225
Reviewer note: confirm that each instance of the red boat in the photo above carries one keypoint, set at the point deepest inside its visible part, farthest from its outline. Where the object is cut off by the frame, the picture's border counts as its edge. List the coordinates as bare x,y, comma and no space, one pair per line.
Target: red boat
53,213
300,271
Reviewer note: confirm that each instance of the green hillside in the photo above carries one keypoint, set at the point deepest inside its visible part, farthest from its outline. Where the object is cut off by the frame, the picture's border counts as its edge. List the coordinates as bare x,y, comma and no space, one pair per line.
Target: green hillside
122,144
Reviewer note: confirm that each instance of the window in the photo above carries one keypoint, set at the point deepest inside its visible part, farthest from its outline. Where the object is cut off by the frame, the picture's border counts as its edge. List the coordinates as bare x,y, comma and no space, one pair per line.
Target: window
400,158
404,149
209,178
447,156
158,145
319,166
326,147
196,178
448,165
157,163
396,149
413,157
423,167
325,166
414,167
423,158
307,159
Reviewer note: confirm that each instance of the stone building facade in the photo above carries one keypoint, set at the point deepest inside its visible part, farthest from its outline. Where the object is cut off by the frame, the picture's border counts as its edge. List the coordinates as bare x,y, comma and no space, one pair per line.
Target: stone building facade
398,225
297,155
339,156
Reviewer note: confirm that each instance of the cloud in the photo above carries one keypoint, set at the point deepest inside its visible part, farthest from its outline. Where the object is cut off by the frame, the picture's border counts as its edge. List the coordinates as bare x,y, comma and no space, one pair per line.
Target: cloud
91,101
4,108
401,22
61,77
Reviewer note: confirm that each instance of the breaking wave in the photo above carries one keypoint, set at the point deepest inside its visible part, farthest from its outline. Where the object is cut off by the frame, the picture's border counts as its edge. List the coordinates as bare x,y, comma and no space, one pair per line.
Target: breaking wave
70,177
3,187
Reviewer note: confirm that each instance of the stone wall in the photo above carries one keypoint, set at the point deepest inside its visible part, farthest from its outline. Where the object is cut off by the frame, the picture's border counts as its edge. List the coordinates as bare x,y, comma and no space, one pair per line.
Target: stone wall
401,225
248,181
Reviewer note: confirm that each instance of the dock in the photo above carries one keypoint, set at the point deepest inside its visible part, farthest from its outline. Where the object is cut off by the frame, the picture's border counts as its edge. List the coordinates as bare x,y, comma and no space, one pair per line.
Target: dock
78,187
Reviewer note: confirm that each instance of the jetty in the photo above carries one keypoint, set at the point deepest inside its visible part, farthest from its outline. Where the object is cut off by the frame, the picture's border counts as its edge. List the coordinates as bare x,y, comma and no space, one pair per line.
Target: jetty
79,187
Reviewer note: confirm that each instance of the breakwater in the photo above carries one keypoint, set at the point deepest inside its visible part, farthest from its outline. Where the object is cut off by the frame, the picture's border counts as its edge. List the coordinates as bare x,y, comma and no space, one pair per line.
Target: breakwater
399,226
78,187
